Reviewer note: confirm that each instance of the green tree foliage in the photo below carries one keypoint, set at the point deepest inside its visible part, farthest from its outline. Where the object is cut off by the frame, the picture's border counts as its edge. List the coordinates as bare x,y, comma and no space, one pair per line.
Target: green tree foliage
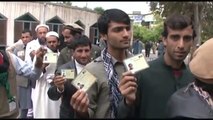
203,23
99,10
145,33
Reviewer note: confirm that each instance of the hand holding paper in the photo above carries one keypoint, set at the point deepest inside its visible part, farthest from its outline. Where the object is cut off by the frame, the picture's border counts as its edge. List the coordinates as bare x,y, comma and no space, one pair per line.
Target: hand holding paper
50,58
84,80
68,73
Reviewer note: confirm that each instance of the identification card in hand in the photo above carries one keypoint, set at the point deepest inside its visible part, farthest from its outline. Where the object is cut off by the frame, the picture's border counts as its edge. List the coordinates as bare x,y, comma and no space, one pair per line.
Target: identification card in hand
84,80
50,57
68,73
136,63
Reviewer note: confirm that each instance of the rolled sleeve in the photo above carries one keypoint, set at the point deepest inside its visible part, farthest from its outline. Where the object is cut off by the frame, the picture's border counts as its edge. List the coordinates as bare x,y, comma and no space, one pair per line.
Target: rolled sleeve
24,69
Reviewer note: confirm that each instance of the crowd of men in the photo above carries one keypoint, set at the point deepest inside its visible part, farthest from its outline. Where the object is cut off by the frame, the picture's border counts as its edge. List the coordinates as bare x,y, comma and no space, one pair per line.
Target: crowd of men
168,88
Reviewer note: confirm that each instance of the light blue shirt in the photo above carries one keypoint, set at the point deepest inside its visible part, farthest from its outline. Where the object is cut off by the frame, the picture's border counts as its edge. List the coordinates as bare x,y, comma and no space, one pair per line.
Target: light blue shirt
25,69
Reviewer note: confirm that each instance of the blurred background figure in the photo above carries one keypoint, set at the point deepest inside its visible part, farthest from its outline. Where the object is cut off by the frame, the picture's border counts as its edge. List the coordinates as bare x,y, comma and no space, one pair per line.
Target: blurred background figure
137,46
24,89
160,48
148,47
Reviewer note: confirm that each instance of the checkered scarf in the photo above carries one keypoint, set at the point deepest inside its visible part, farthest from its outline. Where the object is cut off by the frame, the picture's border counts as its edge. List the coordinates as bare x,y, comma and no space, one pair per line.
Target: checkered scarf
205,95
115,95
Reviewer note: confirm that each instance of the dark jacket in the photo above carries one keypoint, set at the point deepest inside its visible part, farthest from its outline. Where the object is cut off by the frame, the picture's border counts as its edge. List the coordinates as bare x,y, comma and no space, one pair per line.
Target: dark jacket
95,51
155,86
66,110
64,56
187,103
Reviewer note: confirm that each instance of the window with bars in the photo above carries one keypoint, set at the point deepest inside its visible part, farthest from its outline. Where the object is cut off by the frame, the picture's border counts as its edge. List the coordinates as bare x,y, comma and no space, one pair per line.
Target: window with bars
96,36
27,25
55,28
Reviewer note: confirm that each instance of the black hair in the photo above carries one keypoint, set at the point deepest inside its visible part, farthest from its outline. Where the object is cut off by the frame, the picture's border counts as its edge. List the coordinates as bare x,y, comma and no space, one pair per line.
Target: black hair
27,31
75,31
67,27
109,15
177,22
81,41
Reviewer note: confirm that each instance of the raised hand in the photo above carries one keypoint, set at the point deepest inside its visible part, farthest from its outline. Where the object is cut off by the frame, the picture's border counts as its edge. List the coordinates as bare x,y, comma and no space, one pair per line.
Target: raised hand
59,81
80,102
128,87
39,56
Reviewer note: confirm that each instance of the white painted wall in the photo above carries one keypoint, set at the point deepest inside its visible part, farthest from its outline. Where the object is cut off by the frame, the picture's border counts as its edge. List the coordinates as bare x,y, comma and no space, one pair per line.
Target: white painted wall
13,10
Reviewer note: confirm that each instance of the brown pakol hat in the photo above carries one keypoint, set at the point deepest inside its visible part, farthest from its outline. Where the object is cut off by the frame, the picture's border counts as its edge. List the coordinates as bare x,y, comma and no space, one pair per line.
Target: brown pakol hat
201,64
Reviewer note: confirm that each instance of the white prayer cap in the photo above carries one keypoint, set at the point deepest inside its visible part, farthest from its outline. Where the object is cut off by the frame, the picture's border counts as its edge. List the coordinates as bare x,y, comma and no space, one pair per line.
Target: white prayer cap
74,25
41,25
52,33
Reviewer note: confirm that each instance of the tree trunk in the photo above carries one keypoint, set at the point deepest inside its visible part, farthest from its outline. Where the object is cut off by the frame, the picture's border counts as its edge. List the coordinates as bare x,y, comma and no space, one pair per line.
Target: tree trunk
197,24
197,28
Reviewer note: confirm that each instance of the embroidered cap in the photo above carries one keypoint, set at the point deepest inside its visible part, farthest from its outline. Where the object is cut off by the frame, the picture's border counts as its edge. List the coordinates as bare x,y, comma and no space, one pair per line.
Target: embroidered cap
52,33
75,26
41,25
201,64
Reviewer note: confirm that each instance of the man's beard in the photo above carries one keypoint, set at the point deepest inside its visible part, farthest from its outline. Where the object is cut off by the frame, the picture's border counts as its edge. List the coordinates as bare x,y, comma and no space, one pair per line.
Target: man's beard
42,41
55,50
69,45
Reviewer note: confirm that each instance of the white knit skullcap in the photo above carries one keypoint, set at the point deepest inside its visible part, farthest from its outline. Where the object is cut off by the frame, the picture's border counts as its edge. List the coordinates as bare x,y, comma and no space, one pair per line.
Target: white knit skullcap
41,25
52,33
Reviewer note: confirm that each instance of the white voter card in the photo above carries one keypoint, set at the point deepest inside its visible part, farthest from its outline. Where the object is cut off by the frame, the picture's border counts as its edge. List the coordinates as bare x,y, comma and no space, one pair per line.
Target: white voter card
68,73
136,63
50,57
84,80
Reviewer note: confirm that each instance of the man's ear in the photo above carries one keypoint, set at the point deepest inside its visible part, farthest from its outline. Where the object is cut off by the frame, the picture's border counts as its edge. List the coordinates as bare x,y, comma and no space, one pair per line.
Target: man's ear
103,36
164,40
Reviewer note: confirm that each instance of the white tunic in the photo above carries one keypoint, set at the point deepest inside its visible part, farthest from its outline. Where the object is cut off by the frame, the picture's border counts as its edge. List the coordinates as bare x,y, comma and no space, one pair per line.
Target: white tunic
43,106
32,45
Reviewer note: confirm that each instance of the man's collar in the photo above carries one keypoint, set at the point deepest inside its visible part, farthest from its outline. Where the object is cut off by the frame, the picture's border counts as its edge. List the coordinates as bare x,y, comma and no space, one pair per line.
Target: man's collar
128,54
183,65
78,64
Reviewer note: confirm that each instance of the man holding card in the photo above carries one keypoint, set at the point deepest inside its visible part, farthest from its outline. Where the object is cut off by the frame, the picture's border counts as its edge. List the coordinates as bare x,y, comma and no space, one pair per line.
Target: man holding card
66,53
147,93
62,87
31,48
10,65
115,28
41,31
43,107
